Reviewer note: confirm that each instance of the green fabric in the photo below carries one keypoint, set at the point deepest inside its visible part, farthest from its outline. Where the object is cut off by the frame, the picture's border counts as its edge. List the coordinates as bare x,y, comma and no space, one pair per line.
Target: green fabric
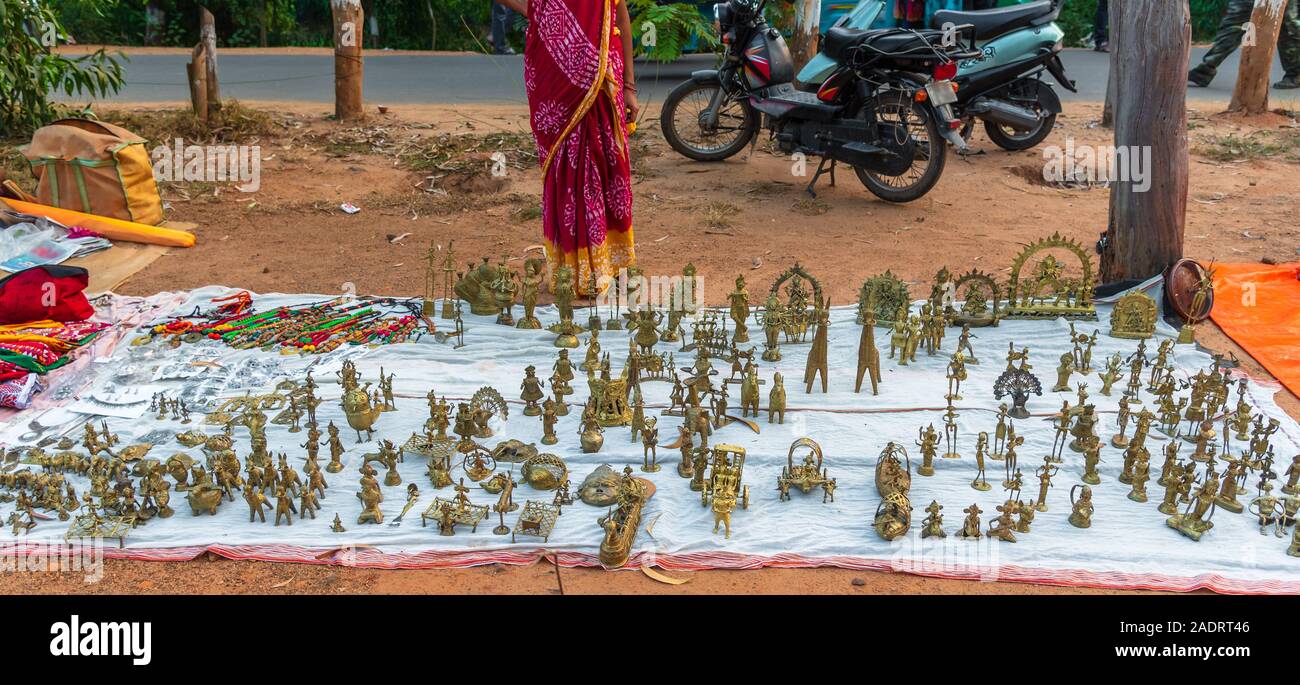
81,188
25,362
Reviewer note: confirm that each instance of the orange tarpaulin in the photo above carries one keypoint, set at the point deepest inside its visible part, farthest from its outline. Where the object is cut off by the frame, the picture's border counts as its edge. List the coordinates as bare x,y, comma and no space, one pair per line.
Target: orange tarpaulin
1258,306
113,229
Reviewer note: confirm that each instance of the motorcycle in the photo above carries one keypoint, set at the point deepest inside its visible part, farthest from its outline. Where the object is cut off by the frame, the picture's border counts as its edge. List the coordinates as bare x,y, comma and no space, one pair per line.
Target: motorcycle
1003,86
883,110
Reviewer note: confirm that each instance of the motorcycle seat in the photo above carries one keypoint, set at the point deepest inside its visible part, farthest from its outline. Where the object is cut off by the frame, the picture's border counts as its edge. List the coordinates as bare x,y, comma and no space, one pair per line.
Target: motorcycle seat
997,21
784,101
839,40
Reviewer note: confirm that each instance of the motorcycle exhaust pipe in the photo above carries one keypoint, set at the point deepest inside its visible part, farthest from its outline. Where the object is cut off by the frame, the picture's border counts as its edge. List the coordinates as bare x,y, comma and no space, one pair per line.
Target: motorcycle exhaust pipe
1005,114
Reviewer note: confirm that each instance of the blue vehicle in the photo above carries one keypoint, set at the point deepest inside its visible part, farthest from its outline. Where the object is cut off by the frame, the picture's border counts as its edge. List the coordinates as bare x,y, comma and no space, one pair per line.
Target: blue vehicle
1003,87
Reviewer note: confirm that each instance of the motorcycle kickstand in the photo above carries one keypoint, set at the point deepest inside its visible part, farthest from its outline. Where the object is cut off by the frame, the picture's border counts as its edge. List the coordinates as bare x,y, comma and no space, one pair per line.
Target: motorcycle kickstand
822,168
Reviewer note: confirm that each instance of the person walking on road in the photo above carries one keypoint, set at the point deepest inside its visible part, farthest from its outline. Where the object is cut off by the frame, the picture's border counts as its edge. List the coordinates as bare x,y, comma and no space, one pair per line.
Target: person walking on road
1231,29
502,16
1101,27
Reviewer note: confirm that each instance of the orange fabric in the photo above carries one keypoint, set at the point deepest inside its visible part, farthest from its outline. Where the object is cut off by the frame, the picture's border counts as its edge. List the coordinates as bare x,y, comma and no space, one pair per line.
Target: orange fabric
113,229
1258,306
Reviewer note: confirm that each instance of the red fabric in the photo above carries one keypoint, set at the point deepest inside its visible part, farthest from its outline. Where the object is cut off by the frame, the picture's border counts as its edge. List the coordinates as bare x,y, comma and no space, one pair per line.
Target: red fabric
909,10
45,292
587,192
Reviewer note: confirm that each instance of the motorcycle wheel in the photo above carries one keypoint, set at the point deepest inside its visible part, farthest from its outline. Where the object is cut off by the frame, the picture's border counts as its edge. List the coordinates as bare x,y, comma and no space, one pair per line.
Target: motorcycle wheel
681,118
1010,139
931,152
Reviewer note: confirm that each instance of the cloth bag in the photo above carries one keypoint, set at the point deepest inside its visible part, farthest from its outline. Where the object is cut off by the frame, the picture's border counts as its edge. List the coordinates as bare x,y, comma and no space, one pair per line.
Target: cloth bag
56,293
96,168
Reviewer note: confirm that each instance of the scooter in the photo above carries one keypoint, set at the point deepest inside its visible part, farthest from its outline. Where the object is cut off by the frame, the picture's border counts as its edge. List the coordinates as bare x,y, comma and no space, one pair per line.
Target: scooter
1003,86
883,109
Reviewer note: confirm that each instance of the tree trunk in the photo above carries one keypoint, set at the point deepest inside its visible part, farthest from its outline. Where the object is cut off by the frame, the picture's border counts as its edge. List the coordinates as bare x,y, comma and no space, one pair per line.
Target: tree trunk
261,25
1145,232
433,21
1108,111
1250,96
349,28
807,17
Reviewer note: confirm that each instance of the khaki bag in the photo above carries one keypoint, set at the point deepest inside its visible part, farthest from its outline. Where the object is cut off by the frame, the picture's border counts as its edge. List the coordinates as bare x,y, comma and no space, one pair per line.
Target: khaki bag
94,167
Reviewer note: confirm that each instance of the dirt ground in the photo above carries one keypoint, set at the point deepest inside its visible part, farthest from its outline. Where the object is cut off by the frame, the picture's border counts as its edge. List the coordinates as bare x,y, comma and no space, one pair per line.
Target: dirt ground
214,576
419,175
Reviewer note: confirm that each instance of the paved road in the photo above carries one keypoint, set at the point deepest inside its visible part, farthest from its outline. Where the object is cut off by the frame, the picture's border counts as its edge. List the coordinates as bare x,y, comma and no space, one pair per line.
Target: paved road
452,79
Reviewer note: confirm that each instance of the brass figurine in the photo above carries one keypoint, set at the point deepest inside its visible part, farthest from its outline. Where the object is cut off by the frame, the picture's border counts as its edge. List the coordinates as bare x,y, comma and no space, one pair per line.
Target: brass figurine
548,423
1048,291
1112,373
981,482
982,305
1082,507
649,441
928,442
808,474
566,330
532,285
1134,316
932,524
1003,527
970,527
591,434
893,515
1063,371
1195,521
621,525
776,400
1045,474
868,355
816,365
740,311
1198,307
1017,382
532,391
537,519
773,319
883,295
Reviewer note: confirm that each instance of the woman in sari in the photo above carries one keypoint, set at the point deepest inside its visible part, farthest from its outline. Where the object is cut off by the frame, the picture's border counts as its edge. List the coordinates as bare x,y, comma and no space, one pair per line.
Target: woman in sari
581,94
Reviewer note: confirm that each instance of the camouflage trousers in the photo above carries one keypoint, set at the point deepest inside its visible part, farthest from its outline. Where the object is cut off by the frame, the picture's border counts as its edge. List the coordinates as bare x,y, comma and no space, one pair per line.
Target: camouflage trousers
1230,35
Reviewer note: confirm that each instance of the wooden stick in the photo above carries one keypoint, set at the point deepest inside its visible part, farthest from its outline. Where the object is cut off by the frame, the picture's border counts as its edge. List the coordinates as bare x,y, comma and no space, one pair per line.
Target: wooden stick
208,41
196,72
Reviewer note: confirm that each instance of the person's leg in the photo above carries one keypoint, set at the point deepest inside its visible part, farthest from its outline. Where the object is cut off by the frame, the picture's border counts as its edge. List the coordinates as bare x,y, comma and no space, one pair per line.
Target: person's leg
1288,47
1226,41
1101,24
500,27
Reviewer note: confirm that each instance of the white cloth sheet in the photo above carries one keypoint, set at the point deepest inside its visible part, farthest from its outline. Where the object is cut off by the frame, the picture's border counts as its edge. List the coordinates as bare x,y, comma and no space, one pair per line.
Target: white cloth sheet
1126,537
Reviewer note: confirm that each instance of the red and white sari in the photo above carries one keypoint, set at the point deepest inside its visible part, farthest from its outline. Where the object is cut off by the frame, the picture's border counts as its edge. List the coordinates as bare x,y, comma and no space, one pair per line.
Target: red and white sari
573,73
